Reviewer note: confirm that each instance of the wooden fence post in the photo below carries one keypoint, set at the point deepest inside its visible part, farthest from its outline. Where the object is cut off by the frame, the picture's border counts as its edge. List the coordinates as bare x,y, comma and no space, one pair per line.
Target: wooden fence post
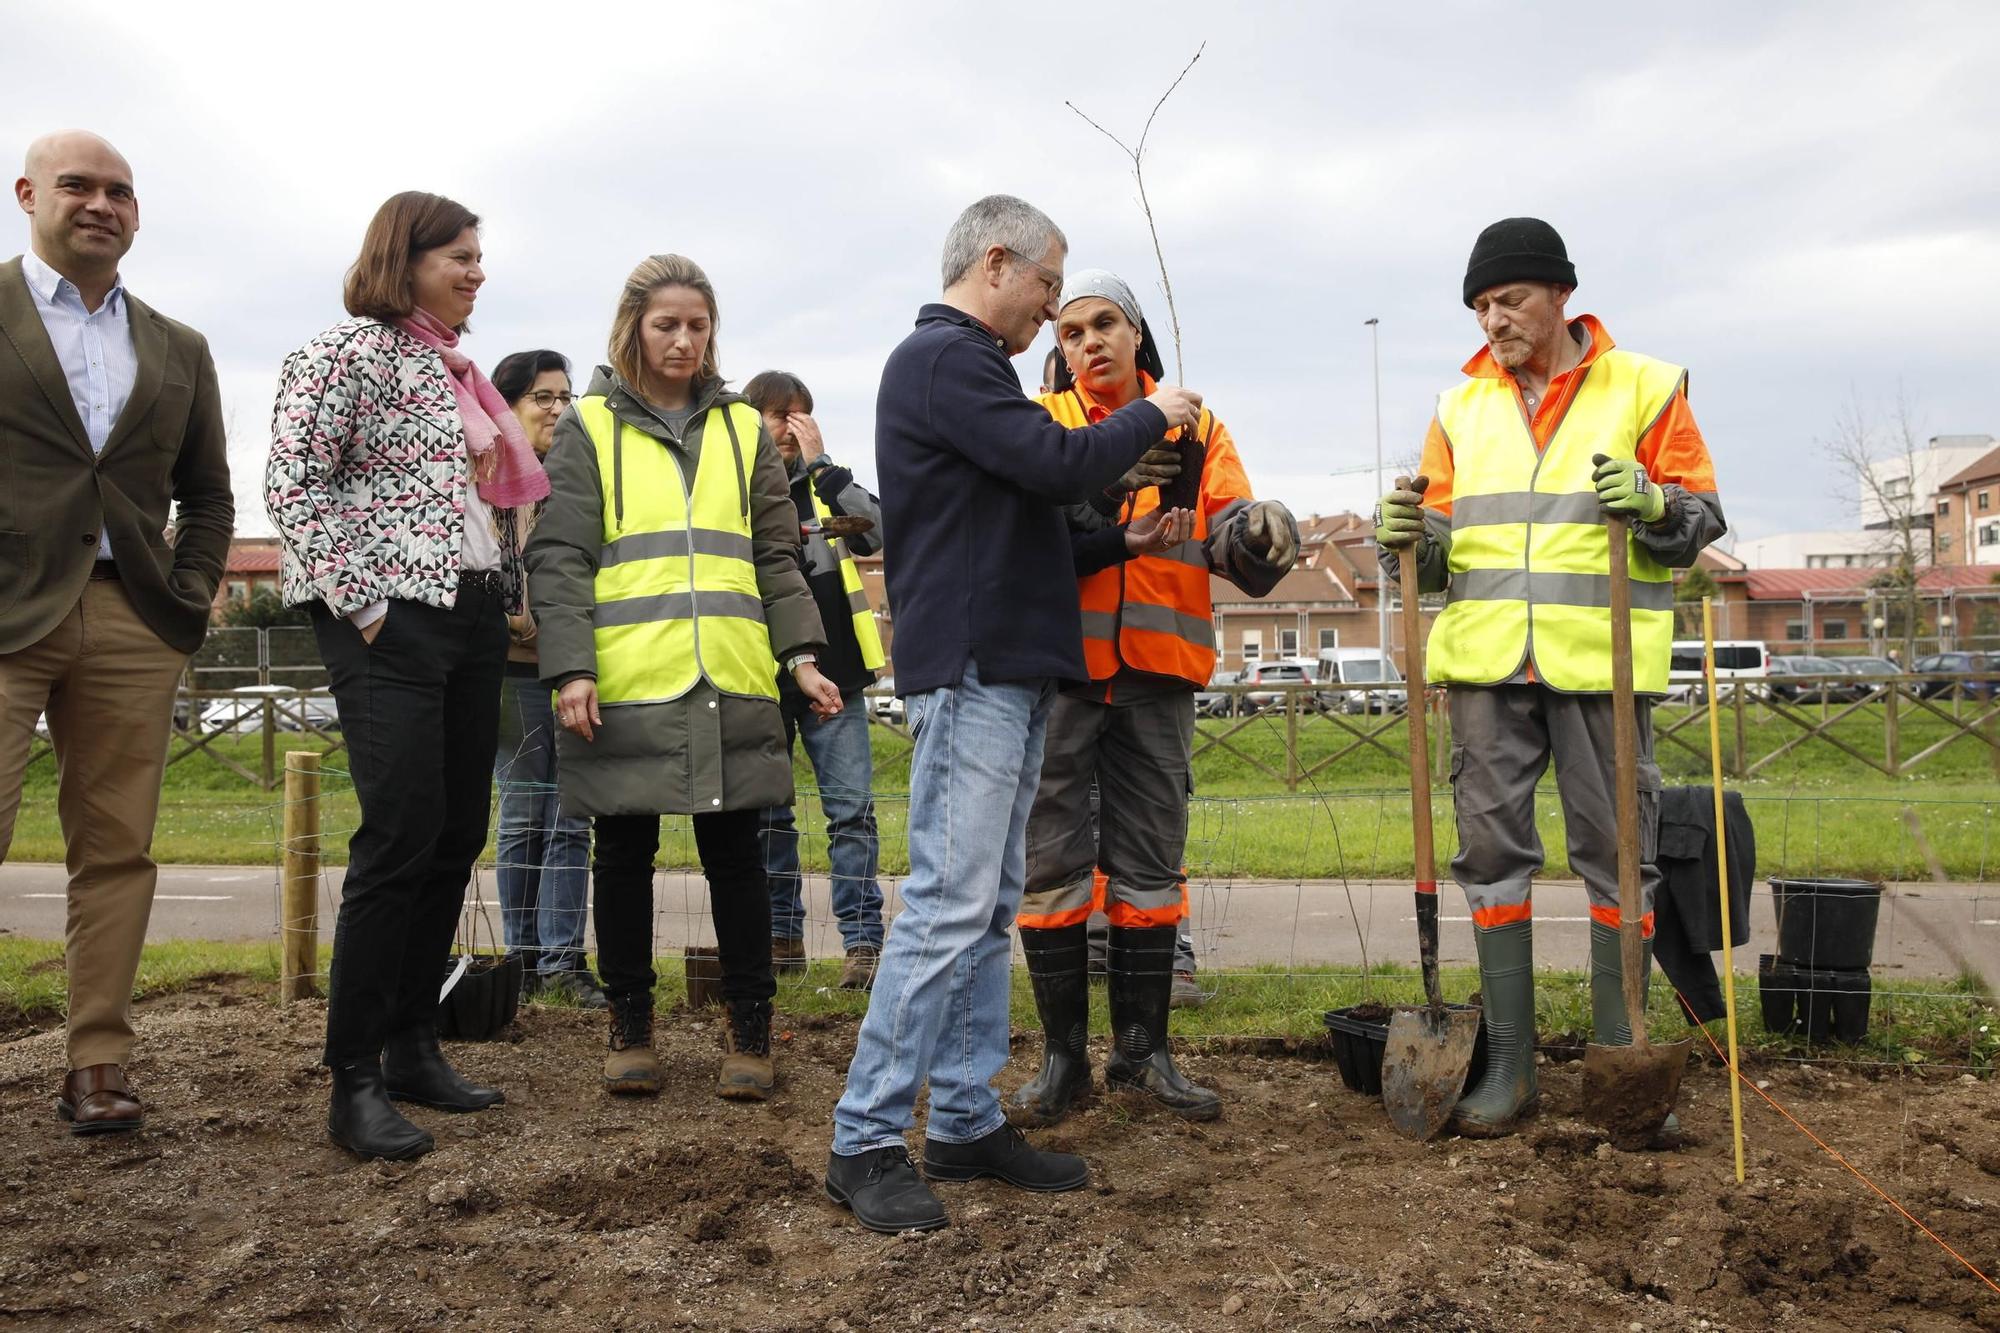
269,716
299,911
1291,739
1440,771
1736,692
1890,731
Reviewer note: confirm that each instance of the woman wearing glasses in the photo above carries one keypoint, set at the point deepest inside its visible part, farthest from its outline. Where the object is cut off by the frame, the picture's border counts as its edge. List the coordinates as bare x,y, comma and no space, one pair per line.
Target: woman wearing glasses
543,855
668,590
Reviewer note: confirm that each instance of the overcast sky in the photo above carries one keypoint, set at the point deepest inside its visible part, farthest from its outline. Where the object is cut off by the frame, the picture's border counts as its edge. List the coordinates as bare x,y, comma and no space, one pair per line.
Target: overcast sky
1796,202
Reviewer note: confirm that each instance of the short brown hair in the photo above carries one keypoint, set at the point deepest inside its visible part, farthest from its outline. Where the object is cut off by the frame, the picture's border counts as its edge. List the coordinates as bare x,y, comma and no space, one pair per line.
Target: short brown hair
653,273
378,283
778,391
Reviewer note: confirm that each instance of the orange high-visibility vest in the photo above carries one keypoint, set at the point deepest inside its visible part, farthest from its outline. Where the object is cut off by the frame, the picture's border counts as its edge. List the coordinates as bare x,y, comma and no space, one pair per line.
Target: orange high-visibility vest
1153,613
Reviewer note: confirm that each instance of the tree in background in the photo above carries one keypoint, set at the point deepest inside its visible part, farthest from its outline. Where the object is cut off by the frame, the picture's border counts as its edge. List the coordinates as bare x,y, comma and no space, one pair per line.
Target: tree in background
1690,586
1877,463
263,609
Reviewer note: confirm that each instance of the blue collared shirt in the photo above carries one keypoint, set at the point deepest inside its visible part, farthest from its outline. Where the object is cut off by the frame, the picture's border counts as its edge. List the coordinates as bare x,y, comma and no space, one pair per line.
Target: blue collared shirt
95,349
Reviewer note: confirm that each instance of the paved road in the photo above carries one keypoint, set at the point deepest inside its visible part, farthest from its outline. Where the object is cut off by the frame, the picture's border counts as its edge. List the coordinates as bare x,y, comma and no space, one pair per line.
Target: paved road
1238,923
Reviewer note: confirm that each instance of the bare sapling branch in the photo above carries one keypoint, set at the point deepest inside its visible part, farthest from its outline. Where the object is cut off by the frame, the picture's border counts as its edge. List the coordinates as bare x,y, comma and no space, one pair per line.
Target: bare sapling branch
1138,159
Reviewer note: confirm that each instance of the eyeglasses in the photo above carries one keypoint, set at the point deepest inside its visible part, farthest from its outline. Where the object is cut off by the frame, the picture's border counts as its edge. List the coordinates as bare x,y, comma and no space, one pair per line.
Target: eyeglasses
548,398
1049,276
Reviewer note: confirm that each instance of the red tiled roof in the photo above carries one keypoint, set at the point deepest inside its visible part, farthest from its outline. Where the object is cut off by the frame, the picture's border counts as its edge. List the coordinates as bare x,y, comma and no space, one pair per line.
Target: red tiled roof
253,559
1985,468
1790,585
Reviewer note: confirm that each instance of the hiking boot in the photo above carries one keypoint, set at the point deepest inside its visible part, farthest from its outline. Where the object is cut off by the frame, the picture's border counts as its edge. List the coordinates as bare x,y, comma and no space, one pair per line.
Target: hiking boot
1186,992
748,1073
1057,963
787,954
630,1067
1609,1024
859,971
1005,1154
1507,1093
884,1191
1142,978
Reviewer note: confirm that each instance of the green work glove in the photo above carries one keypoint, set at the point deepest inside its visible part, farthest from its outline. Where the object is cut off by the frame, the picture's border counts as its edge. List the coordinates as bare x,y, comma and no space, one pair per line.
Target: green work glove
1399,518
1624,488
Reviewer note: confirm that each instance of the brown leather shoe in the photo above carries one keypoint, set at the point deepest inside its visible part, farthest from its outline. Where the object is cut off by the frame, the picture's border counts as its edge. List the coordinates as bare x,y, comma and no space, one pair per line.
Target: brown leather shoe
95,1100
787,955
858,973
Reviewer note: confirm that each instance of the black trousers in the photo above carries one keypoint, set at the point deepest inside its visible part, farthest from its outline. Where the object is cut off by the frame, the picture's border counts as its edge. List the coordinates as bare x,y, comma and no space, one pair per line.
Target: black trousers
732,860
420,708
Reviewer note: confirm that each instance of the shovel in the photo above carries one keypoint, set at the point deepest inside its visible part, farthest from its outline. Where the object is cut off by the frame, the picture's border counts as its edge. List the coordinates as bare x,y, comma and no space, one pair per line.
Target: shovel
1629,1090
1429,1047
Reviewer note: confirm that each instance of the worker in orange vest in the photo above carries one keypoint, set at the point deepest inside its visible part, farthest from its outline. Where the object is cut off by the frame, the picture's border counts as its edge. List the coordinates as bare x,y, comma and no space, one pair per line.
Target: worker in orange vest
1149,644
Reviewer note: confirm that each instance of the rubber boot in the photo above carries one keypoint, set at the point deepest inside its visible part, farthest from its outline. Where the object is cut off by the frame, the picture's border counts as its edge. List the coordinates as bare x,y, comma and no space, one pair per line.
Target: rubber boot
748,1073
1507,1093
361,1118
1608,1023
1141,959
630,1065
1057,968
415,1070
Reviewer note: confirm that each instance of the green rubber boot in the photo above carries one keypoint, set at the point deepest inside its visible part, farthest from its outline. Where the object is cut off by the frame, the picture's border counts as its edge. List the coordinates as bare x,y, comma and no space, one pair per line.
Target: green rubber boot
1507,1093
1608,1024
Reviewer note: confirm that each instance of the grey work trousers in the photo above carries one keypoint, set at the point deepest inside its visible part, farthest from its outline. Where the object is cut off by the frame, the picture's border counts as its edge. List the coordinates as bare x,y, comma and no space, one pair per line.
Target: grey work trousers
1502,739
1140,757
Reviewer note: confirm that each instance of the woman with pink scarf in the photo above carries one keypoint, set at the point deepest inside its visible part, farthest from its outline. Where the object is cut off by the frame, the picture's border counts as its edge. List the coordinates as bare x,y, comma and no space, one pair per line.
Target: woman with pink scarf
394,473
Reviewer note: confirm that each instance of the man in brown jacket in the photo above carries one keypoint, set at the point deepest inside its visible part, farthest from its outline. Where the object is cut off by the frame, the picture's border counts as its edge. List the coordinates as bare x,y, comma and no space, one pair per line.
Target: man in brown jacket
109,416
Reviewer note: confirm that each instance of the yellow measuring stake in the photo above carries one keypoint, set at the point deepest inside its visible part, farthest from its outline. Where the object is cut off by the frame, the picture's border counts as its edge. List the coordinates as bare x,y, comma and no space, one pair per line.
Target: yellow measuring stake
1722,871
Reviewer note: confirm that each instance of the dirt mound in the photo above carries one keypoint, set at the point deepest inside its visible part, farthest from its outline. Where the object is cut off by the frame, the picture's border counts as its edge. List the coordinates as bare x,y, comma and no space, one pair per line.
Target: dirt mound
1300,1209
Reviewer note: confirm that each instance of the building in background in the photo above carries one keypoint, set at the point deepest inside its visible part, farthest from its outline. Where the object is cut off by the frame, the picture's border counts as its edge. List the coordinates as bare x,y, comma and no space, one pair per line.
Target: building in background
1966,514
252,567
1825,549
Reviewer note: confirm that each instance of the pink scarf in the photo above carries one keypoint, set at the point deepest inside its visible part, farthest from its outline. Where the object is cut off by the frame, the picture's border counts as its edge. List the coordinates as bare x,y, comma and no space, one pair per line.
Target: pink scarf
510,475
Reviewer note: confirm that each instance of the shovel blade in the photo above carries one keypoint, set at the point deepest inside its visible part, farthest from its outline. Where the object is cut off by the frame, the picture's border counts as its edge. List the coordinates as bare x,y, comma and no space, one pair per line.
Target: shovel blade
1629,1090
1424,1066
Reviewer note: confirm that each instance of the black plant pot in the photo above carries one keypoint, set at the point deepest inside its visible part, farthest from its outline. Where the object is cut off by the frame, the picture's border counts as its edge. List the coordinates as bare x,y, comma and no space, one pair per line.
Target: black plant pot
484,1000
1820,1004
1360,1036
1826,924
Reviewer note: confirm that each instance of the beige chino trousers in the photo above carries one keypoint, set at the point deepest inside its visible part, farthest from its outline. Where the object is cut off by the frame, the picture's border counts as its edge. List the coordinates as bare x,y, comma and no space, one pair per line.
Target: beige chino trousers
107,683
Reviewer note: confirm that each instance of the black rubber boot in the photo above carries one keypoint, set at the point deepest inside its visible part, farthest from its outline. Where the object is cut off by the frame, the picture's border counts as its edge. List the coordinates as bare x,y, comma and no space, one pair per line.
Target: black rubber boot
1057,970
1609,1025
415,1070
1141,959
1507,1093
362,1120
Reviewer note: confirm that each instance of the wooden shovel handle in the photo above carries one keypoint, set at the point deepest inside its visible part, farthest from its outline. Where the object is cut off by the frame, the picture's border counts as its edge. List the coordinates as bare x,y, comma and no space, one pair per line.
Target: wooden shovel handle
1625,746
1420,772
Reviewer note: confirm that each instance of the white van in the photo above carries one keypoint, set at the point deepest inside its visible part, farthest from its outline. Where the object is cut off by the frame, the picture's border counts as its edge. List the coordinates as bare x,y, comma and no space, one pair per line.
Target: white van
1359,666
1745,659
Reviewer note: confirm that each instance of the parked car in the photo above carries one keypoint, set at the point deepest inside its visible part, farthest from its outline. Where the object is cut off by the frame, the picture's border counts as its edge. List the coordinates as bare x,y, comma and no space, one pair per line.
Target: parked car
1735,659
1867,670
1359,666
1783,679
242,710
1947,665
1283,671
1212,702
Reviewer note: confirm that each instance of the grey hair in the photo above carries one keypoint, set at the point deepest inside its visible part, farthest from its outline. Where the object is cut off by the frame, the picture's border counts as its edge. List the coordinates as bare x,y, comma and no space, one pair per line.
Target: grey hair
1002,220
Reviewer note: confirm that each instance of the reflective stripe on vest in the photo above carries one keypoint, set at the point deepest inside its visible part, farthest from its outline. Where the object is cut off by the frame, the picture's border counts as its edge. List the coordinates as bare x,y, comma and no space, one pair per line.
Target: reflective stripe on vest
858,609
1530,563
676,586
1152,613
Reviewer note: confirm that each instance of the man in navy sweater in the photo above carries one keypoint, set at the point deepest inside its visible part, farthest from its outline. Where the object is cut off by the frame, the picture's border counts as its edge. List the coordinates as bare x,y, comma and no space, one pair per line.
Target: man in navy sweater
982,592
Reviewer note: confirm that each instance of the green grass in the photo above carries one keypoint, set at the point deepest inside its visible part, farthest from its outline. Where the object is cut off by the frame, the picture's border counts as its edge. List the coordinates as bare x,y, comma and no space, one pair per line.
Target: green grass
1817,811
1939,1022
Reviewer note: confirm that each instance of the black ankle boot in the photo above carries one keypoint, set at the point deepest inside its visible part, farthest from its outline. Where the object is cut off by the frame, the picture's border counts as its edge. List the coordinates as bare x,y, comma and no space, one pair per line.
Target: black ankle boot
1142,981
1057,969
362,1120
415,1070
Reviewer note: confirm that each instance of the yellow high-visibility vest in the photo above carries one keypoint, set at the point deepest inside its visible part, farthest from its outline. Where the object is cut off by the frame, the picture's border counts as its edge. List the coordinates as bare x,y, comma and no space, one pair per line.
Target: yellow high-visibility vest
1530,554
858,609
677,598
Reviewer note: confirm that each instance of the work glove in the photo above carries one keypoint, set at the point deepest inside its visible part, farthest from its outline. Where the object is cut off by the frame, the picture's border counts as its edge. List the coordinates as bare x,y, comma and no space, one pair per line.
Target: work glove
1270,534
1624,488
1161,464
1399,518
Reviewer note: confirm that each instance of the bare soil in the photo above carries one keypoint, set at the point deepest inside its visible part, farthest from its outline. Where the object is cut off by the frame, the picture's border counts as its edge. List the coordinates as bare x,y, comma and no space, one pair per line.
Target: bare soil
1300,1209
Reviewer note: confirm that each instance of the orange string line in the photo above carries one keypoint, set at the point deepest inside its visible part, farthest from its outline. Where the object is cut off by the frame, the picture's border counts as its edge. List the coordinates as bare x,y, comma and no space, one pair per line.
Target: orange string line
1970,1267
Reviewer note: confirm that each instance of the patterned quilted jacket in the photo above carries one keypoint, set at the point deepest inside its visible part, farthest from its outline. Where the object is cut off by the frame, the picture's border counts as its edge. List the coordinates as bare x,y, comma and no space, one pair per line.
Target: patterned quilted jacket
367,474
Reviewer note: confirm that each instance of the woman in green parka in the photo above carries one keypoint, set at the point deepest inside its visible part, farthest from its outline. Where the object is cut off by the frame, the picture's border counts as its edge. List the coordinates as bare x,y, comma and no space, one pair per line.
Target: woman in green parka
667,590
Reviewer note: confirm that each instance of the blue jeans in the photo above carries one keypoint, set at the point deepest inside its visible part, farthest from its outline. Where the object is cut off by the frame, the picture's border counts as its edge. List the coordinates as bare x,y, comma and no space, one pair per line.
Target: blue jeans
845,770
939,1007
544,856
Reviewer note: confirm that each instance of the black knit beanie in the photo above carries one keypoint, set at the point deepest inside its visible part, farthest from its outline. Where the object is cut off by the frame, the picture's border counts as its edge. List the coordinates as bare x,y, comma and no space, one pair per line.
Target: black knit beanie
1517,250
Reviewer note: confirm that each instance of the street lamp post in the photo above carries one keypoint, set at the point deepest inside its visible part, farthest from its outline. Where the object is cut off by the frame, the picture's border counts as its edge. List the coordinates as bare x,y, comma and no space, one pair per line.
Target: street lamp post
1382,564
